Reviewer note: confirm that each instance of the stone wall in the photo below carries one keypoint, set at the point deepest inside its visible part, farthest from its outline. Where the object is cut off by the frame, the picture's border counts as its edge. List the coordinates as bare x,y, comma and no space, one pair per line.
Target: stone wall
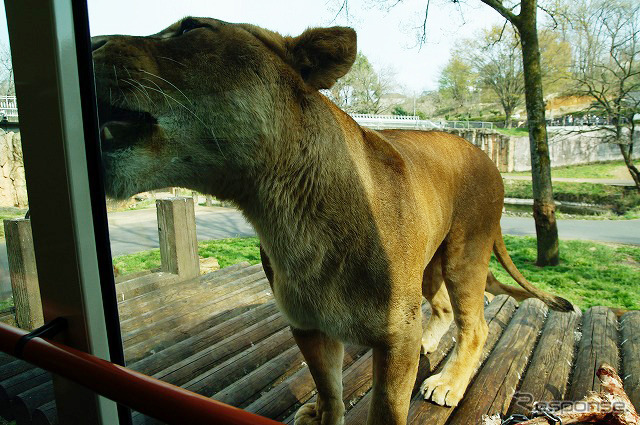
497,146
13,189
569,146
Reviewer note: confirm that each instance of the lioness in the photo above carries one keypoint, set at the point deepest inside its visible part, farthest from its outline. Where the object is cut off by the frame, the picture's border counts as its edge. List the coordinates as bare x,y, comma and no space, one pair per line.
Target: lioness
356,225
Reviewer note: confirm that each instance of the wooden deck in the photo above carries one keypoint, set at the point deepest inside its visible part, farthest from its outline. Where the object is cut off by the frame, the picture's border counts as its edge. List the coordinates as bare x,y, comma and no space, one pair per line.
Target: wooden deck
221,335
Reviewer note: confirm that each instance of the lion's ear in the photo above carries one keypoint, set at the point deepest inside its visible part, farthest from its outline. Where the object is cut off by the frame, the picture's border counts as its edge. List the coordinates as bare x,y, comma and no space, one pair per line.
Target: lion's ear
322,55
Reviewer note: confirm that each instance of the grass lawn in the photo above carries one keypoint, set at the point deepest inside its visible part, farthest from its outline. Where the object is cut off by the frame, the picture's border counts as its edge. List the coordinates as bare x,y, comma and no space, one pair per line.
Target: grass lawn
622,200
517,132
227,251
590,273
603,170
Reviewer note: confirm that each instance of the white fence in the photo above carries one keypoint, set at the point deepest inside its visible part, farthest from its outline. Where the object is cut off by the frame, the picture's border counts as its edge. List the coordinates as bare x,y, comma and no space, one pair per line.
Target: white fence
381,122
8,106
9,109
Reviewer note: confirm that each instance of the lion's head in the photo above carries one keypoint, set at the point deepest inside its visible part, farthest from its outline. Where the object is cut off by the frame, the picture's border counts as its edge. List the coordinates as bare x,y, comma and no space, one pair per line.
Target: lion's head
194,104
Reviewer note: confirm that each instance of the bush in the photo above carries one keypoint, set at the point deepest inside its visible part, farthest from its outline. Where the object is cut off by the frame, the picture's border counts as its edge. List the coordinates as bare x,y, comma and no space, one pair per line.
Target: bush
399,110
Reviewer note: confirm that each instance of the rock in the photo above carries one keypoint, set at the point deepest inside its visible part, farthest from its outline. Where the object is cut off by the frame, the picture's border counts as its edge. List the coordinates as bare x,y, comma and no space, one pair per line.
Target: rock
208,265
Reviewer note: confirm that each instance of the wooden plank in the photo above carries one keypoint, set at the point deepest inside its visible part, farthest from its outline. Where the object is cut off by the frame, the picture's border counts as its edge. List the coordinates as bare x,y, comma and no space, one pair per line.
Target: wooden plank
194,366
13,367
234,368
24,274
24,404
194,312
173,330
497,314
495,384
230,370
157,298
630,347
46,414
547,376
201,341
154,281
182,297
17,384
143,284
177,234
599,344
250,387
295,390
130,276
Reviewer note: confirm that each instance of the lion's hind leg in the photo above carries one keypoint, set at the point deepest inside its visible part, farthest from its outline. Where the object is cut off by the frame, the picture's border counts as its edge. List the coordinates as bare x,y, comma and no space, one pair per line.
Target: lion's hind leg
465,263
324,358
435,291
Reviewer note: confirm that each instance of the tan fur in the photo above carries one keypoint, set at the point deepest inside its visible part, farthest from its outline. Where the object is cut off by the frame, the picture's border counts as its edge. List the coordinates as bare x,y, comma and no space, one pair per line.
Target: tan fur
355,225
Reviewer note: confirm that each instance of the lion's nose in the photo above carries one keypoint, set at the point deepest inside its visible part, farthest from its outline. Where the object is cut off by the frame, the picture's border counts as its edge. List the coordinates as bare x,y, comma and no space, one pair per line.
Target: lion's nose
98,42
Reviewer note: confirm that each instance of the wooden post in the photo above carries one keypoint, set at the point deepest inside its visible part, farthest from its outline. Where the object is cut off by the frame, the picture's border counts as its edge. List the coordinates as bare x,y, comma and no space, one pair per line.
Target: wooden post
177,231
24,275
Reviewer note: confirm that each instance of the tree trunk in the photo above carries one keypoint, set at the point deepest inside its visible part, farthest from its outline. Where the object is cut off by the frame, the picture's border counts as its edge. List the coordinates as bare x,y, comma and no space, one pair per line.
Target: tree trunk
543,205
627,152
507,116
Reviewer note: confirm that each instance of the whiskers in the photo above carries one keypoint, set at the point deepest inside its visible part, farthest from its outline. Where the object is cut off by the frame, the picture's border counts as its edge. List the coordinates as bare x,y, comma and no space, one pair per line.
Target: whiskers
166,81
172,60
144,86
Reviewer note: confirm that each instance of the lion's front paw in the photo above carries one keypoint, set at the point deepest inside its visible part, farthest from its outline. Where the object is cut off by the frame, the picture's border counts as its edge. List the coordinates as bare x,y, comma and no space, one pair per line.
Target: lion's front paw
312,415
443,390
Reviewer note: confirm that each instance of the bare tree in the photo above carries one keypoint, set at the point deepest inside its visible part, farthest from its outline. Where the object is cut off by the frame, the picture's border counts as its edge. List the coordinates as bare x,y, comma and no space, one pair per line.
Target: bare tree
607,43
7,87
499,67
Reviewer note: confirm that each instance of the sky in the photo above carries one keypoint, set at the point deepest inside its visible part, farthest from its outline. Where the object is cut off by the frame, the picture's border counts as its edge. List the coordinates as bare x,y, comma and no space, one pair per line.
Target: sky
386,35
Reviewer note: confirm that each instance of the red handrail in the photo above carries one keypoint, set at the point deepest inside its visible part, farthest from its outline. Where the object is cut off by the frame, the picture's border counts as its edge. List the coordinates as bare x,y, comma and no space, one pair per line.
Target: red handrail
163,401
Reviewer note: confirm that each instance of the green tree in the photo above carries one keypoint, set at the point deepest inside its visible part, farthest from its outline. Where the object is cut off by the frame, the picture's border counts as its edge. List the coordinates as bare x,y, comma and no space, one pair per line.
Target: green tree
499,68
362,88
555,60
399,110
455,81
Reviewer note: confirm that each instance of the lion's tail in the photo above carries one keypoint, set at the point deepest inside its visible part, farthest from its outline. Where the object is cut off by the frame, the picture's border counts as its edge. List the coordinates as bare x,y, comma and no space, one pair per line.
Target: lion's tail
554,302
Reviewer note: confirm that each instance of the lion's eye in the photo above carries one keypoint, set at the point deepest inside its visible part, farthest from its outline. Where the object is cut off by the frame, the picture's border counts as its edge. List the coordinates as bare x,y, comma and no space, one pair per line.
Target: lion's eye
188,25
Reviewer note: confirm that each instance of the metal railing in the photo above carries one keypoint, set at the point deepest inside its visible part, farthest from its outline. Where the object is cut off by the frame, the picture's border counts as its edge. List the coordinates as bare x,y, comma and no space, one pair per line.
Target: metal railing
468,124
160,400
380,122
8,106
